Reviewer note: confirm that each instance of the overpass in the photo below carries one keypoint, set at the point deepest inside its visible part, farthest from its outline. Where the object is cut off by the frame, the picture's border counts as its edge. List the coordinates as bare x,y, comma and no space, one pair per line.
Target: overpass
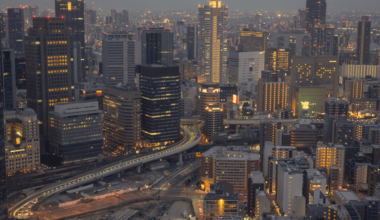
191,138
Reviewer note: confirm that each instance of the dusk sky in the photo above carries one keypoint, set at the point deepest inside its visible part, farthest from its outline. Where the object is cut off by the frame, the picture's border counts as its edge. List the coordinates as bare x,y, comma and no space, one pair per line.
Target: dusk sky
332,5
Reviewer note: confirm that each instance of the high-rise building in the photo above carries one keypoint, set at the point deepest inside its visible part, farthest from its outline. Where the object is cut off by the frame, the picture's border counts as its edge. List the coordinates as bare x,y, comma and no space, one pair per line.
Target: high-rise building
315,13
353,89
122,113
22,141
334,110
160,96
372,207
219,164
20,72
278,60
272,96
297,41
267,133
373,178
343,132
125,17
276,151
209,94
76,131
212,43
253,40
191,42
72,11
3,167
332,157
213,121
29,13
364,40
9,78
322,40
313,180
257,20
301,19
16,32
118,57
3,25
255,183
304,134
263,204
244,69
49,76
157,47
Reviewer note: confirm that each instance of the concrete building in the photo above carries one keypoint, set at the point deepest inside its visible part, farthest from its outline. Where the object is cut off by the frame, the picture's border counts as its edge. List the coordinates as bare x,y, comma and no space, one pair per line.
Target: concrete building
298,41
313,181
263,204
22,141
255,184
15,31
316,211
343,133
244,69
122,109
157,47
289,191
364,40
348,212
278,60
279,152
372,207
334,110
212,43
220,201
360,71
322,40
309,98
343,197
272,95
209,94
332,157
361,176
9,78
304,134
230,165
76,131
118,58
213,122
251,40
315,13
370,104
267,133
353,89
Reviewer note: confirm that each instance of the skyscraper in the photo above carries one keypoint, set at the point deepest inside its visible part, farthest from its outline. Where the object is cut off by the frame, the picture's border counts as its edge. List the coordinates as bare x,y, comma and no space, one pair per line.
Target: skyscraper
72,11
49,76
334,110
125,17
9,78
272,96
3,25
212,43
301,19
364,40
3,174
278,60
118,58
315,13
191,42
160,95
322,40
253,40
16,29
157,47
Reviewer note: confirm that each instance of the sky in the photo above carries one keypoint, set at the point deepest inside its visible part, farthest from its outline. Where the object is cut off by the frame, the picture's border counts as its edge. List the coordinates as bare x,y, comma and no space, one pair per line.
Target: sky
332,5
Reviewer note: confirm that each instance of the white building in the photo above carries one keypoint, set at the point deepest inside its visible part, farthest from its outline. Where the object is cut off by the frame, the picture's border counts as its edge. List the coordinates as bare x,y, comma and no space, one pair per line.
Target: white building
244,68
212,42
289,190
262,203
279,152
22,141
118,58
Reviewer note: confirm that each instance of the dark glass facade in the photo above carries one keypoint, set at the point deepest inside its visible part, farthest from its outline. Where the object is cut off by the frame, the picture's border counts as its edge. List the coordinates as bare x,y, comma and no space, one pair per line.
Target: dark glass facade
191,39
160,110
3,185
20,72
157,47
3,25
315,13
16,29
9,90
364,40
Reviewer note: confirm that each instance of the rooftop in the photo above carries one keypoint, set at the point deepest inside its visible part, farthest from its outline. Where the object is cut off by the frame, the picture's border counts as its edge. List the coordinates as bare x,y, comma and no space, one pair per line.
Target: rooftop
346,196
225,153
256,177
289,168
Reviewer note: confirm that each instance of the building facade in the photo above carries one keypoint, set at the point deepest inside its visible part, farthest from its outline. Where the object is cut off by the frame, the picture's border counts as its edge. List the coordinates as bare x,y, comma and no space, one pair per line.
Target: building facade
272,96
157,47
16,32
364,40
9,78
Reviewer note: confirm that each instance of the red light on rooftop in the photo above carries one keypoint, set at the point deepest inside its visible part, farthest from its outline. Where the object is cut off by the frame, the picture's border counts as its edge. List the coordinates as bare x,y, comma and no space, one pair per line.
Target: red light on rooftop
48,16
34,16
62,16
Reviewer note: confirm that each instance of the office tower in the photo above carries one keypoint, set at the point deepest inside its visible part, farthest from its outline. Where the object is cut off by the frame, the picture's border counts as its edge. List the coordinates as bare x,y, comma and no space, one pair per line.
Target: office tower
257,20
29,13
373,178
125,17
3,25
219,164
52,82
343,132
212,43
213,121
263,204
332,157
72,12
350,198
122,109
334,110
278,60
221,201
275,151
118,57
191,41
322,40
20,72
186,70
22,141
227,91
16,32
289,190
244,69
3,173
372,207
160,95
269,76
157,46
304,134
315,13
255,183
209,94
360,71
267,133
315,71
272,96
301,19
353,89
364,40
313,180
9,78
297,41
253,40
76,131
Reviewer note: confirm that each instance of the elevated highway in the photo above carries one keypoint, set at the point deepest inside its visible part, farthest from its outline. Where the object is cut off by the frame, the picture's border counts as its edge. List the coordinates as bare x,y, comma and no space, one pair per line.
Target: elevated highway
192,135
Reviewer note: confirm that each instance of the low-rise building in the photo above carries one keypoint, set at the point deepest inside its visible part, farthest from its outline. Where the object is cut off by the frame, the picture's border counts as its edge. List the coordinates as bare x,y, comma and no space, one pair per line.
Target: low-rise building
220,201
255,183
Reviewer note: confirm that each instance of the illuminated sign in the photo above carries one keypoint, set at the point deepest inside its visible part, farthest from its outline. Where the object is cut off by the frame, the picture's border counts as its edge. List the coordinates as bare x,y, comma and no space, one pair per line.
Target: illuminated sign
235,99
305,105
99,93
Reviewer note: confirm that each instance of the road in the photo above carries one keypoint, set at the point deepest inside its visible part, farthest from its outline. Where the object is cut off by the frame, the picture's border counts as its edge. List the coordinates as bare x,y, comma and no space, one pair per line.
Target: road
192,137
